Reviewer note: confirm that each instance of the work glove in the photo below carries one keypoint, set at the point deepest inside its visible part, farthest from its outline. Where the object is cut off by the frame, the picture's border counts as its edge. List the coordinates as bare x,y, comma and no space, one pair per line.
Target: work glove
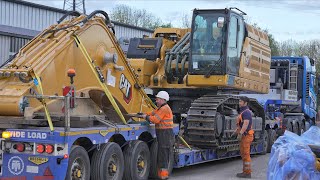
140,115
145,123
239,137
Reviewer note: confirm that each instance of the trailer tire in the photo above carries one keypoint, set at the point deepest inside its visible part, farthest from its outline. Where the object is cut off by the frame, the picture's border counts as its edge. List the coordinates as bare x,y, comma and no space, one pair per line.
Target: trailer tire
105,160
302,128
136,152
78,162
290,126
154,160
295,128
265,142
272,137
307,125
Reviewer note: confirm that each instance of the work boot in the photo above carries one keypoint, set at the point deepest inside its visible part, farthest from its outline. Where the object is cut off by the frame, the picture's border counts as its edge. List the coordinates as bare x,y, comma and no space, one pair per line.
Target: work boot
163,174
244,175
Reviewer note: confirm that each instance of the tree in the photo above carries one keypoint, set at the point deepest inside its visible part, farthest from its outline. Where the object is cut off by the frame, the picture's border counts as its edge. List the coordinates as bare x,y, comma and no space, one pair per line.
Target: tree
136,17
274,45
186,20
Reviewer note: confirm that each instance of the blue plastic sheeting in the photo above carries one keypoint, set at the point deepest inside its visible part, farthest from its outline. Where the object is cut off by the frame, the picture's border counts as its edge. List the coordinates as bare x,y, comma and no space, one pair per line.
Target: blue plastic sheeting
292,159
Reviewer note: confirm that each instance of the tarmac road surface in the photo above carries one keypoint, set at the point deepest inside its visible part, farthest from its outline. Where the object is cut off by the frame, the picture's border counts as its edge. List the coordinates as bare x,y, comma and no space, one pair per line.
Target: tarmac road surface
223,169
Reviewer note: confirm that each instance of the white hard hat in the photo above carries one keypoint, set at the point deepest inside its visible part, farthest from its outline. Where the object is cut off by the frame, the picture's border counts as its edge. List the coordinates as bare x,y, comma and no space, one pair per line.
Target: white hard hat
163,95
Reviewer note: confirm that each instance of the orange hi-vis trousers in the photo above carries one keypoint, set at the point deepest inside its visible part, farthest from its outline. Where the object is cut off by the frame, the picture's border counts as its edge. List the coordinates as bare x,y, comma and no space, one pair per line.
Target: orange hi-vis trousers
245,152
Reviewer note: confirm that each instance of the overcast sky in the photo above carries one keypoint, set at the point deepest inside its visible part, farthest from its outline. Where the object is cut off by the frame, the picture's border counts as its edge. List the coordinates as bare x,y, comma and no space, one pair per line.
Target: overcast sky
285,19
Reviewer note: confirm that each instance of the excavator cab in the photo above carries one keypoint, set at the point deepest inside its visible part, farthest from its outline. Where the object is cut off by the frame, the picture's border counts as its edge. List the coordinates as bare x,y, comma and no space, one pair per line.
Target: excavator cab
226,52
219,51
216,42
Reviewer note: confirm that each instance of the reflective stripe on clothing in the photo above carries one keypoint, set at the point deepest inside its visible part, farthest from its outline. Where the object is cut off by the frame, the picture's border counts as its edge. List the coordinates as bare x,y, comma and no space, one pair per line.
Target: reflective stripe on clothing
245,152
162,117
158,117
164,126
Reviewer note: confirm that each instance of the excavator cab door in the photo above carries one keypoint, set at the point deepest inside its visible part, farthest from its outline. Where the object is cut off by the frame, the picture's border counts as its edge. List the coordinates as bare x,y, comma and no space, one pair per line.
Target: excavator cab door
235,41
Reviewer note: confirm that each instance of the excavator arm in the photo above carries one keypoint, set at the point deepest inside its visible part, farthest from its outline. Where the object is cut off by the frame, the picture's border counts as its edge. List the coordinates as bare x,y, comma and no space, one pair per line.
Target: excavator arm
86,44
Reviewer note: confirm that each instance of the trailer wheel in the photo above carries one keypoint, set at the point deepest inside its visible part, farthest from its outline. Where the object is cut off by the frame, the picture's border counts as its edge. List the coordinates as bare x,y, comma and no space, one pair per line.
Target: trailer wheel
272,138
78,164
302,128
153,160
295,128
291,127
107,163
265,142
137,160
307,125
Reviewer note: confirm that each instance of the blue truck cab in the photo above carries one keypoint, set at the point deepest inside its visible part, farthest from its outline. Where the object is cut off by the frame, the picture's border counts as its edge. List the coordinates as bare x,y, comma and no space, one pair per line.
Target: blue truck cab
292,99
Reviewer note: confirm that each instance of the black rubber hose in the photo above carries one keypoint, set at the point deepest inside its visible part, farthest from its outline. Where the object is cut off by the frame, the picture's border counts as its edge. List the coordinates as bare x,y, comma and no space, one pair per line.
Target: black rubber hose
182,65
70,13
168,56
180,54
99,12
9,60
107,21
175,49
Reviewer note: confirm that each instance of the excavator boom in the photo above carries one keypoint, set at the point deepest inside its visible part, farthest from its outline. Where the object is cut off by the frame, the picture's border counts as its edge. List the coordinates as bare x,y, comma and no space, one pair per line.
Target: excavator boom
86,44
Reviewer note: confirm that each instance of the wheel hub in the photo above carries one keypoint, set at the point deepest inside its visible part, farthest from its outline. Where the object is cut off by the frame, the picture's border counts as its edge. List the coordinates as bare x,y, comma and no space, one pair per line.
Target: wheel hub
77,169
112,168
141,164
77,173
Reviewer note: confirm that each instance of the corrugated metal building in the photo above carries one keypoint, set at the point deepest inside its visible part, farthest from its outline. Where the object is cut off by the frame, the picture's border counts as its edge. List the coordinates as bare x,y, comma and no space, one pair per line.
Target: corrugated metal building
21,20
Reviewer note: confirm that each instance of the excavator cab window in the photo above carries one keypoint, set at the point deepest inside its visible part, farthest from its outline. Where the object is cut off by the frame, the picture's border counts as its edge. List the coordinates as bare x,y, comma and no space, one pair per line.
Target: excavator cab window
216,42
235,40
206,42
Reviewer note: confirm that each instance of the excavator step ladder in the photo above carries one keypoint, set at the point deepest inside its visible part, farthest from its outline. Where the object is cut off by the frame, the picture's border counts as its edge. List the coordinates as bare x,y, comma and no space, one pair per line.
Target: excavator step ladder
293,76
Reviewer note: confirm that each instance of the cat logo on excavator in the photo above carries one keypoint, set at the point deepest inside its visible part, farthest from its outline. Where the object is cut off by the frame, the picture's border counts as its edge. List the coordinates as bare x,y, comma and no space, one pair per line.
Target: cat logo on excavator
126,88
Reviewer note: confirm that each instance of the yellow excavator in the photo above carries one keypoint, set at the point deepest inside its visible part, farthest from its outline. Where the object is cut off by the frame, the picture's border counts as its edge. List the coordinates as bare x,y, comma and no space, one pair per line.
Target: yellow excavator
202,68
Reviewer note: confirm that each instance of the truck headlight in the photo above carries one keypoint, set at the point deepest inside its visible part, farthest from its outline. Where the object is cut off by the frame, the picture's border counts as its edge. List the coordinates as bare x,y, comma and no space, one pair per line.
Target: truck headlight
6,134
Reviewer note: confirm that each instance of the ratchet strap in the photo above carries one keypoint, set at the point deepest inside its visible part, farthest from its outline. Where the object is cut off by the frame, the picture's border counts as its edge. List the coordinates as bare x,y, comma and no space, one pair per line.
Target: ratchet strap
37,83
103,85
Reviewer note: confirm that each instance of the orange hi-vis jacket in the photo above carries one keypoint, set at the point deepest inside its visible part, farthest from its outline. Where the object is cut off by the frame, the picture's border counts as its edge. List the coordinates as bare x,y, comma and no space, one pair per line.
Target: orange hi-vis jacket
162,117
239,121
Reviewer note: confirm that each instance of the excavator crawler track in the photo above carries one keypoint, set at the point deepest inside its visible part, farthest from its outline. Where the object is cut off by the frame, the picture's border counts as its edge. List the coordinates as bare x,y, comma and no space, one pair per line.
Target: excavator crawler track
209,124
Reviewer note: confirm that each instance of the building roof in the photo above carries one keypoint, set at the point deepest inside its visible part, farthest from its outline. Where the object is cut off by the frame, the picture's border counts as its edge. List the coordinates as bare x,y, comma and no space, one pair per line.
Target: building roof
17,32
30,4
